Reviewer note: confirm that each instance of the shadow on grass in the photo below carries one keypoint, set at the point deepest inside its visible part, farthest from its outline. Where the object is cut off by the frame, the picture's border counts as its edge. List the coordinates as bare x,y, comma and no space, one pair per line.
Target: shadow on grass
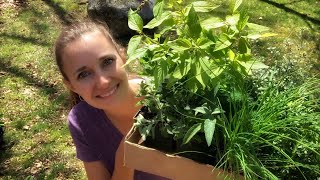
24,39
292,11
63,15
45,86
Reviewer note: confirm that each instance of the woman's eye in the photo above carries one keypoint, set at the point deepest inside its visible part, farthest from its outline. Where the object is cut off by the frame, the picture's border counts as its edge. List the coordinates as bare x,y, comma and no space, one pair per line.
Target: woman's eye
83,74
107,61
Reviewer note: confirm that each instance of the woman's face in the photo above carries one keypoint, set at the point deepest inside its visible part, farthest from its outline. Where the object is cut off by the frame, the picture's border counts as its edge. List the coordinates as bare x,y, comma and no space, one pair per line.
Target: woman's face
95,70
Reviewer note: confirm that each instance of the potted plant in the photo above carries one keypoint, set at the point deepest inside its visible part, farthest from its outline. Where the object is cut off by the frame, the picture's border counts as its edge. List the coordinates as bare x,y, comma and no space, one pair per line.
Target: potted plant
199,100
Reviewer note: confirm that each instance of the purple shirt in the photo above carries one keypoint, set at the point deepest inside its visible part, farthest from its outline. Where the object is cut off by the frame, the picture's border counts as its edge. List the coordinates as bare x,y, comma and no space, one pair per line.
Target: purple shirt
96,139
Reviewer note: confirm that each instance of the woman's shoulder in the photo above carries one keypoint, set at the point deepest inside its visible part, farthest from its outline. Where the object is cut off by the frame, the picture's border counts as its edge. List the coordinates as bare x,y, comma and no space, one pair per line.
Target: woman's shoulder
83,111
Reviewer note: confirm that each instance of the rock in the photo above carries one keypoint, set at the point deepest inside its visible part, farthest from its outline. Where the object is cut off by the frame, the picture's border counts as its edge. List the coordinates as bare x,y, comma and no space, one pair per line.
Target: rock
115,14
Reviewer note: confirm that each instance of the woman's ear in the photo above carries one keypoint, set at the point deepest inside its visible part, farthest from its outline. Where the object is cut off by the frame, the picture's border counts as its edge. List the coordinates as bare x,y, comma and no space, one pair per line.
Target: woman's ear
68,84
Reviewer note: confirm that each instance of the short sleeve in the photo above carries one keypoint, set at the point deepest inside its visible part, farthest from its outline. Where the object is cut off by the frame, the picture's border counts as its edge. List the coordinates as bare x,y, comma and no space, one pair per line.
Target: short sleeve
84,151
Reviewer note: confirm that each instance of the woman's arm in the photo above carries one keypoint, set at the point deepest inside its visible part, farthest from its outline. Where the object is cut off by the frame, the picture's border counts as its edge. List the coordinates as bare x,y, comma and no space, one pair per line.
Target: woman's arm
97,171
121,172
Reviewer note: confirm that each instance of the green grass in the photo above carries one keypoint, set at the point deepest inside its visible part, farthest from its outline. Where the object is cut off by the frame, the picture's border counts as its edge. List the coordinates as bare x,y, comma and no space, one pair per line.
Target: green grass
33,101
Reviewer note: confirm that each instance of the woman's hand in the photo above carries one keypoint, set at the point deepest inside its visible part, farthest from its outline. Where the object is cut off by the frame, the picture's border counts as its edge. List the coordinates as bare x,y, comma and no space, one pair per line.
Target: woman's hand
97,171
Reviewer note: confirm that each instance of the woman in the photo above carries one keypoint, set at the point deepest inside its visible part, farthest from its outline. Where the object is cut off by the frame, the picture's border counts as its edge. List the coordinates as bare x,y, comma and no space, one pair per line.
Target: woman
91,64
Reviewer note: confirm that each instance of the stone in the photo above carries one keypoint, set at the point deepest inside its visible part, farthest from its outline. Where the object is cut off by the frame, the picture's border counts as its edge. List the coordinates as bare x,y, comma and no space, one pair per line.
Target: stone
115,14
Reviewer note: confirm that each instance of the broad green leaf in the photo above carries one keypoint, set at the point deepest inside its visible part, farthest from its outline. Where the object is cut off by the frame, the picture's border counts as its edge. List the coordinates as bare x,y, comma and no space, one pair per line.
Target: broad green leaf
203,6
133,44
182,69
191,132
193,23
209,127
251,65
201,109
158,20
231,55
258,65
233,20
140,52
158,9
244,46
206,65
180,44
242,23
257,36
235,5
257,28
217,111
212,23
204,43
135,21
222,43
200,74
160,73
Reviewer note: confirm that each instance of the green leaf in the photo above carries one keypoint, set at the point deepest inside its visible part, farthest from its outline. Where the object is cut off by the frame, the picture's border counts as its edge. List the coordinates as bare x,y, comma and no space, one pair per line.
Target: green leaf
137,54
158,20
209,127
233,20
160,73
242,23
257,28
252,65
206,65
133,44
222,43
182,69
257,36
200,74
135,22
244,46
180,44
191,132
212,23
235,5
204,43
193,23
201,109
231,55
203,6
158,9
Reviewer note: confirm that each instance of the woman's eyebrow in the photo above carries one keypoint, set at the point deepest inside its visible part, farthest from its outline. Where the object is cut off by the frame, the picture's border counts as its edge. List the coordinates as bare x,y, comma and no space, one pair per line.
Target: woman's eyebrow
107,56
79,70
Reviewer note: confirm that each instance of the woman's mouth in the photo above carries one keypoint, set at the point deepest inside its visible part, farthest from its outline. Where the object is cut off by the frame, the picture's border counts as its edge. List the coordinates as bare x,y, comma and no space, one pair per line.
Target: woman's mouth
110,92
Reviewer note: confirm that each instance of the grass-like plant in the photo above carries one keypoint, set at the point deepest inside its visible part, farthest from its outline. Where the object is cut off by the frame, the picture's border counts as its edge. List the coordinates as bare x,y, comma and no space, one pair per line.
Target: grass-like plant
198,93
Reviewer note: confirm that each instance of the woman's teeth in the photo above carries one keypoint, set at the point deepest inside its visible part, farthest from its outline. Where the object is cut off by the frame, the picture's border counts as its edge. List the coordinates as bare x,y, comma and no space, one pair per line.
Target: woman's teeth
110,92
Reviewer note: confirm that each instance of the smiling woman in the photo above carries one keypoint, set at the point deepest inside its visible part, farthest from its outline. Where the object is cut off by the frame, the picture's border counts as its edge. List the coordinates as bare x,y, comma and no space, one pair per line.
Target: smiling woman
91,64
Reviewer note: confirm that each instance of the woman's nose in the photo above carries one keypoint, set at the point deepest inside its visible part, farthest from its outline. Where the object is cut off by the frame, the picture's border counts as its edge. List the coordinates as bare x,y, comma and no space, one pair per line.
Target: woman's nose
102,80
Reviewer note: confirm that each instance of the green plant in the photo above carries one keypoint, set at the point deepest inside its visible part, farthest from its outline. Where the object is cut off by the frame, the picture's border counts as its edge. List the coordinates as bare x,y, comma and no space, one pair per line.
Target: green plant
199,90
190,58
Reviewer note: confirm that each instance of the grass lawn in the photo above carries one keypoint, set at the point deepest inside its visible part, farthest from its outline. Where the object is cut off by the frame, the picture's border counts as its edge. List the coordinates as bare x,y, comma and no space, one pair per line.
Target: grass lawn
34,103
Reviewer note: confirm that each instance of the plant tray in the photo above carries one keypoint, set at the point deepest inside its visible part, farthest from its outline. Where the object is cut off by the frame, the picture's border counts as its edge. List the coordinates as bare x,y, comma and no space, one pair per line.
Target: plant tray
140,157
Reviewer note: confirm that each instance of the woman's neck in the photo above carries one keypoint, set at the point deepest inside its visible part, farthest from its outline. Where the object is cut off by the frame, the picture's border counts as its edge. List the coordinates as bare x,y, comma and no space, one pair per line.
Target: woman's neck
122,117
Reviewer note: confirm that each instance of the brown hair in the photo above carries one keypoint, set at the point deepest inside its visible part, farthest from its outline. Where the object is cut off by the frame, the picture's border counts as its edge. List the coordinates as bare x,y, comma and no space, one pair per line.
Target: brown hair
73,32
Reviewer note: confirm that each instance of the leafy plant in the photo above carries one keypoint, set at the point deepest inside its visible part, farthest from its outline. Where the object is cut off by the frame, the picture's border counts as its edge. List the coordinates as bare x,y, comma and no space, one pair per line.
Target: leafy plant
198,90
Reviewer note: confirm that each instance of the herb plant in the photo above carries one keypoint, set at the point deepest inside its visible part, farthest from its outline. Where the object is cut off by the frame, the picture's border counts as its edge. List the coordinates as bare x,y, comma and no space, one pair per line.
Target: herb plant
198,92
